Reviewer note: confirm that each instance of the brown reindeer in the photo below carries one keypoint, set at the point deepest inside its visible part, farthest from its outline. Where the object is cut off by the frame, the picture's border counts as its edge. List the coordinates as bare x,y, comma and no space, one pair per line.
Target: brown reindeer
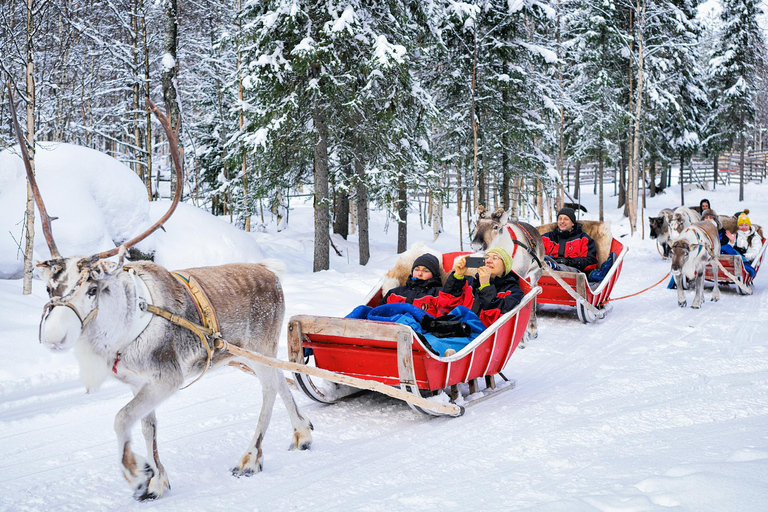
521,240
101,308
697,246
660,228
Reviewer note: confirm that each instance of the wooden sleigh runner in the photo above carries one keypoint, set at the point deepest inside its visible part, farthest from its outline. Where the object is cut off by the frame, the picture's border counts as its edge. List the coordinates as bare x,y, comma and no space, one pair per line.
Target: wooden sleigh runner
573,288
391,354
731,271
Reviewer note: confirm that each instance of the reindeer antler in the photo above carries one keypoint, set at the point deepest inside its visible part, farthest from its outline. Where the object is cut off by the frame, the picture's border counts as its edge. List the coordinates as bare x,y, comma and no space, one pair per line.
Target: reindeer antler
176,157
45,219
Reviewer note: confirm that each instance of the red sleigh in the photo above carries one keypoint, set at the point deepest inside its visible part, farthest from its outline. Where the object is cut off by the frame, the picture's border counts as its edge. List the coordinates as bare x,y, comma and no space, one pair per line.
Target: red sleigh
392,354
596,295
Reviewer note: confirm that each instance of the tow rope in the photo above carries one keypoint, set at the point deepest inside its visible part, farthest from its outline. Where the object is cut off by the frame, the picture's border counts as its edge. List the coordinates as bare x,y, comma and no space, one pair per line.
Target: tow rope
641,291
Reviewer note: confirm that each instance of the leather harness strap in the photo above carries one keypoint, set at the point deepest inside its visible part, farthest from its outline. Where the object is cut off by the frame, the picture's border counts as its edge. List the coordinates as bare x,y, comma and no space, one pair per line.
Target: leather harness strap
517,243
208,332
200,299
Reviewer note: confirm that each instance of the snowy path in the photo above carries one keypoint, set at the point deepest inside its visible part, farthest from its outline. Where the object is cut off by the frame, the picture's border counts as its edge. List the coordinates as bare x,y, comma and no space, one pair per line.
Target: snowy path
653,407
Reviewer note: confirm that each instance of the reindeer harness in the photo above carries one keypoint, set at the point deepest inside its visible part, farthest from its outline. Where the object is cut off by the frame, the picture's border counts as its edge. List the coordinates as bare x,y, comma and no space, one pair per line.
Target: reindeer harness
208,332
517,243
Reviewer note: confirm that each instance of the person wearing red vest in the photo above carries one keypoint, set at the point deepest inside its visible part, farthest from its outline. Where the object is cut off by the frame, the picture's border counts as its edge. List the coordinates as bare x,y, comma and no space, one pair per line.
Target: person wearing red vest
422,287
568,247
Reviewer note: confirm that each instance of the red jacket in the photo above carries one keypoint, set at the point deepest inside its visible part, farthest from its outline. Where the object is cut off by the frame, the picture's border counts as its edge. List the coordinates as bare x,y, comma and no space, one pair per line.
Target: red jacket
420,293
573,248
500,296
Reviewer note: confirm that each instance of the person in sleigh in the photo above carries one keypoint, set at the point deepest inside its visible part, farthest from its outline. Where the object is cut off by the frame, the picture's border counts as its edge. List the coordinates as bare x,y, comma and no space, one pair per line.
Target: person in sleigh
746,242
568,248
493,291
422,287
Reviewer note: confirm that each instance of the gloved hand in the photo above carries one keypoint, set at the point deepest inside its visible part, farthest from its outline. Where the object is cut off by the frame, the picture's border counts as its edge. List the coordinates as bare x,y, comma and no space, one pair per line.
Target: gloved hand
567,261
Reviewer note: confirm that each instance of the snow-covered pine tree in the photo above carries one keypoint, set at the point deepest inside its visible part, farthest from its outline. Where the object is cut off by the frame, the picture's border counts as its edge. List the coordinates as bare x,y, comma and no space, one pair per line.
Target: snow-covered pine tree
318,74
739,54
598,53
492,94
676,94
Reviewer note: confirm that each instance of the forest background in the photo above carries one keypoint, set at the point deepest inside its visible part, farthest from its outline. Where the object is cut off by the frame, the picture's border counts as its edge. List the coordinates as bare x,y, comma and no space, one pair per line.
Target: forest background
391,104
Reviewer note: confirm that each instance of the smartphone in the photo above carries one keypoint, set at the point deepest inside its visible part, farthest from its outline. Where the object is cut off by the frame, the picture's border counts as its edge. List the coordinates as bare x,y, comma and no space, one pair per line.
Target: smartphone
475,261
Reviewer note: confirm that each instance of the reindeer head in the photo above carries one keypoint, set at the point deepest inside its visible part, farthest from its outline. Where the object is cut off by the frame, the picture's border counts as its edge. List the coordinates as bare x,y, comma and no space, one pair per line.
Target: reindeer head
488,227
74,283
680,251
657,226
676,225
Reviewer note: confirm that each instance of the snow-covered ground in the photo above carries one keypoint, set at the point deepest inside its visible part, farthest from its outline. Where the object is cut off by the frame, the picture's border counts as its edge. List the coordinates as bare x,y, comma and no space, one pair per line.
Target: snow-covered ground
655,408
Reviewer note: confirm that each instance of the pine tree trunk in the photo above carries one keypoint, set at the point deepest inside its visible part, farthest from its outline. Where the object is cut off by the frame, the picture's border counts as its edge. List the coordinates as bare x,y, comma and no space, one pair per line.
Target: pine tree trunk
623,176
577,179
634,172
714,171
505,191
402,215
473,118
600,170
147,112
458,206
682,182
169,74
341,218
652,170
322,235
29,241
361,202
741,156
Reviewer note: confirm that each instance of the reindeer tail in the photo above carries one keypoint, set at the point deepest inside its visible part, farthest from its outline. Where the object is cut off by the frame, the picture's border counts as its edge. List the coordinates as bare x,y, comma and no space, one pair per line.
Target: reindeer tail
276,266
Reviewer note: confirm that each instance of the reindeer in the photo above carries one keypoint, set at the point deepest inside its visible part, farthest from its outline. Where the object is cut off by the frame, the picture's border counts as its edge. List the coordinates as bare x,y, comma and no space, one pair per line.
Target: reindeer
682,217
697,246
660,228
521,240
102,308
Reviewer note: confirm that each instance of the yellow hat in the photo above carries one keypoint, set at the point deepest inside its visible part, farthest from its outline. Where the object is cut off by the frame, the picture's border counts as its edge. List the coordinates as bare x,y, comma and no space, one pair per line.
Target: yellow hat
505,257
743,219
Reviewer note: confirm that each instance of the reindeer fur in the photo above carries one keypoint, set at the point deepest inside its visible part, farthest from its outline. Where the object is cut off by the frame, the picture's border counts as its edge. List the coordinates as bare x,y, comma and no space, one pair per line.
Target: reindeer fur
248,301
696,247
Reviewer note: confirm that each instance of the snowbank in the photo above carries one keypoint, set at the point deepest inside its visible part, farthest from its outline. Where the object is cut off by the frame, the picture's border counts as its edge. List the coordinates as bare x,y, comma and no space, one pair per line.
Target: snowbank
99,202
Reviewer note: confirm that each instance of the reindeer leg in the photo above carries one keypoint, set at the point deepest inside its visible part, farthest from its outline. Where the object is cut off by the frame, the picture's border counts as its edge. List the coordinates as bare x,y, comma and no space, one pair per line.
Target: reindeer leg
136,470
716,289
533,321
699,293
253,459
680,292
159,482
302,427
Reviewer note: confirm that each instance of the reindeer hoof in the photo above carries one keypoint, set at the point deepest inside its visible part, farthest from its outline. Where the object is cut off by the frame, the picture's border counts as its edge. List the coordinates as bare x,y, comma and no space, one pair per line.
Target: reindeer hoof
695,306
141,490
301,440
238,472
682,304
248,466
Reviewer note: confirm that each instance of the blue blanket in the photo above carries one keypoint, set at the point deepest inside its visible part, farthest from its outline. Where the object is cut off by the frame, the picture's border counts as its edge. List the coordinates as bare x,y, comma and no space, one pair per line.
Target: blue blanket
410,315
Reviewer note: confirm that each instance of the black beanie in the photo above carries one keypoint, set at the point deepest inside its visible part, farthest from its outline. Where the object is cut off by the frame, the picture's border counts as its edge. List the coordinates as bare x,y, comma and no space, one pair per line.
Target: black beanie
429,261
568,212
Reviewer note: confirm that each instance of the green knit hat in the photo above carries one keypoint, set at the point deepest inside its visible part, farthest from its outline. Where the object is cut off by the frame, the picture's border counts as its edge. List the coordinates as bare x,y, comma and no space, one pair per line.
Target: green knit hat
505,257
